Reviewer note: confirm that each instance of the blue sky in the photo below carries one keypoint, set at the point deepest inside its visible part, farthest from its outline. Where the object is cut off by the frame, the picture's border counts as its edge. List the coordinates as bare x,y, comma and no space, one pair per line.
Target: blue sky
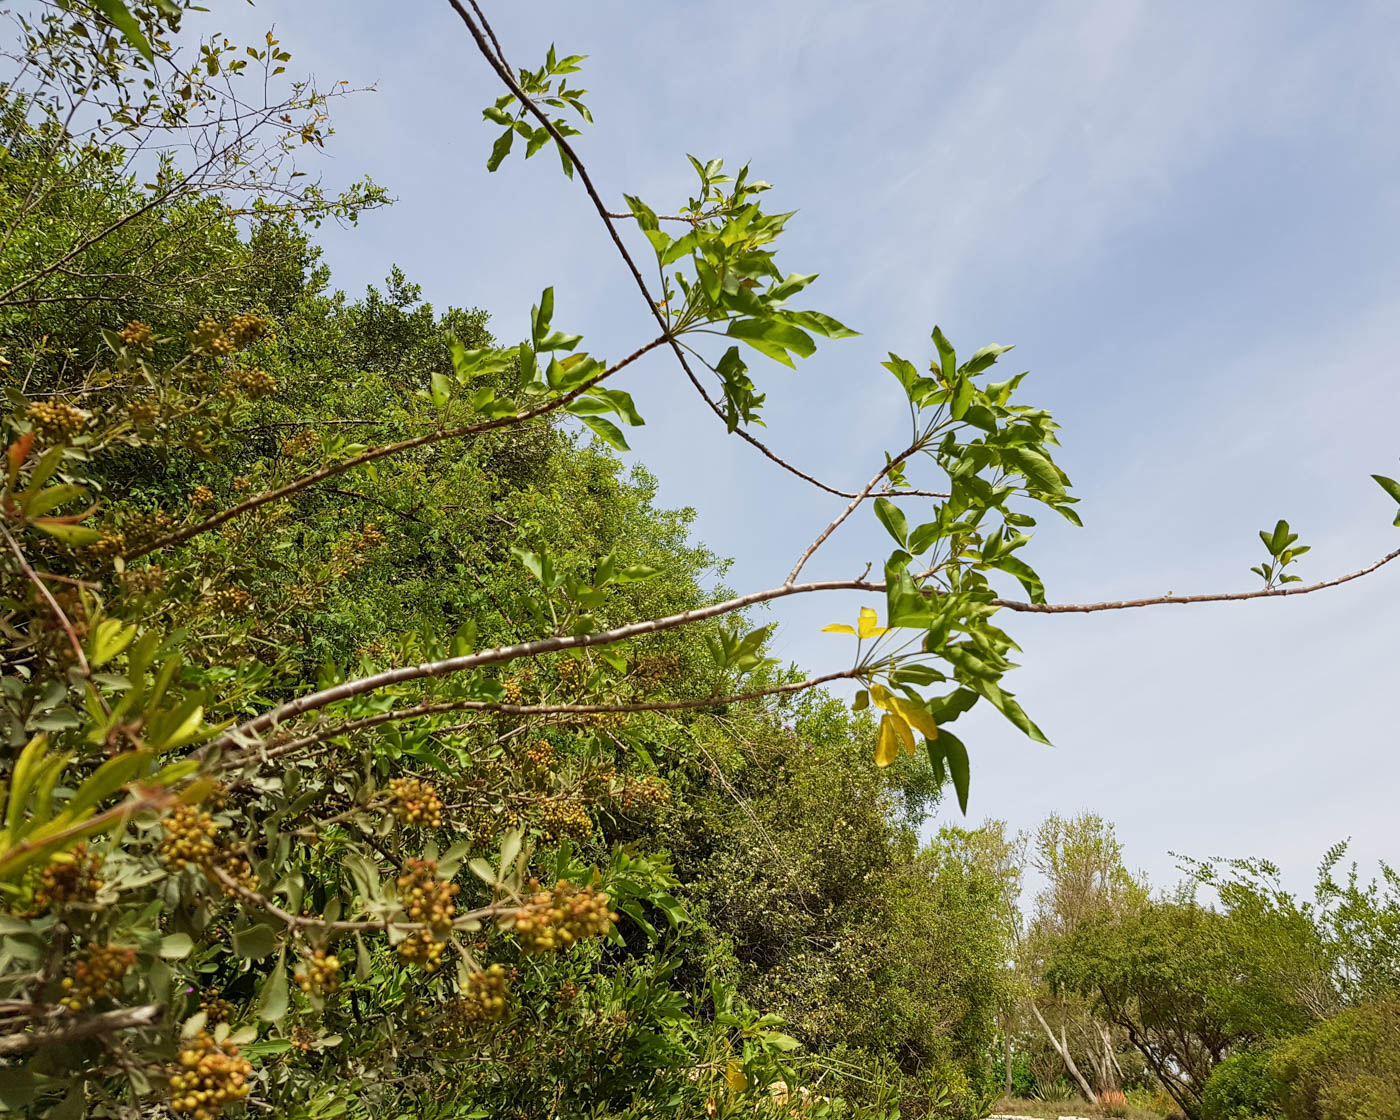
1184,215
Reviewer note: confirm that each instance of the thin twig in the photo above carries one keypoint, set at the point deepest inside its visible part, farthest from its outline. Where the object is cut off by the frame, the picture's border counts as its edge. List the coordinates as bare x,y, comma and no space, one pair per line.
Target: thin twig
58,612
850,509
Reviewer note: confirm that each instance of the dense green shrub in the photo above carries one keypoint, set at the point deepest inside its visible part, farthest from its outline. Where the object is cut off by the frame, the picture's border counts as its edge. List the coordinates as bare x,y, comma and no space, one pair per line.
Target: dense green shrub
1241,1088
1347,1068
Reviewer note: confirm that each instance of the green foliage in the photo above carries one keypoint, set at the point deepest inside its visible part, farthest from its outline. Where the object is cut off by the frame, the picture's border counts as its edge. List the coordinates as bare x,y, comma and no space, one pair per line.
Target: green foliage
1347,1068
1240,1088
378,747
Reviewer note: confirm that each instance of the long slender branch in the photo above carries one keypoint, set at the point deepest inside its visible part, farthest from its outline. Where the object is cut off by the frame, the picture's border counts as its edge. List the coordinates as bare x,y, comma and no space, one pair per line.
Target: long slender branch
358,687
850,509
47,595
335,469
495,58
346,690
330,731
1162,600
124,1018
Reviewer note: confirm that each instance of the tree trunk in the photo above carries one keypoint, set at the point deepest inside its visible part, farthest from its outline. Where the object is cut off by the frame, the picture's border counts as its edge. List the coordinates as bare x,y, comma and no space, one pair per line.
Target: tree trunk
1006,1042
1062,1049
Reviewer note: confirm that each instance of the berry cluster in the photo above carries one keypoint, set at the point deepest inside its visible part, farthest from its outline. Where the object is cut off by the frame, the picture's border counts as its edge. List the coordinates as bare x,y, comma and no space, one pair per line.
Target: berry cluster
416,802
189,838
245,329
142,527
254,383
66,881
189,842
228,600
107,546
143,413
564,818
657,667
295,446
540,759
319,973
558,918
201,496
484,998
427,899
97,976
215,1007
355,550
644,793
211,1075
143,581
57,420
209,337
135,333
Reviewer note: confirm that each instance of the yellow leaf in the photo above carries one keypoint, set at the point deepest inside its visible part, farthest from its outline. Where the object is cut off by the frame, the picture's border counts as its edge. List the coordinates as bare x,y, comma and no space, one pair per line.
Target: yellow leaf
904,731
869,626
881,695
918,717
734,1076
839,628
887,746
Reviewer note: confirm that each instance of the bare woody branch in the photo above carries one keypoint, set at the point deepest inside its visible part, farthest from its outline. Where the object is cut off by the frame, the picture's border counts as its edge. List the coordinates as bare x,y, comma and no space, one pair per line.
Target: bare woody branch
1163,600
247,733
262,754
122,1019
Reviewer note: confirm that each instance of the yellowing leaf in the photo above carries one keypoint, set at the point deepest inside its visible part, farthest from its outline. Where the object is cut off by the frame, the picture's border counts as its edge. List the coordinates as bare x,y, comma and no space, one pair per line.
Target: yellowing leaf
916,716
869,626
887,745
904,731
839,628
734,1076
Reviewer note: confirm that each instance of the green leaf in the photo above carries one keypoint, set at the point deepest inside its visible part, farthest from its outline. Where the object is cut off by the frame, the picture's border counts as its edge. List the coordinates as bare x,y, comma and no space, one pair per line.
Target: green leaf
1040,472
635,572
175,946
110,638
272,997
500,149
118,16
773,339
440,389
818,323
946,353
75,536
1025,574
607,431
948,750
255,943
16,1087
1389,485
892,518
